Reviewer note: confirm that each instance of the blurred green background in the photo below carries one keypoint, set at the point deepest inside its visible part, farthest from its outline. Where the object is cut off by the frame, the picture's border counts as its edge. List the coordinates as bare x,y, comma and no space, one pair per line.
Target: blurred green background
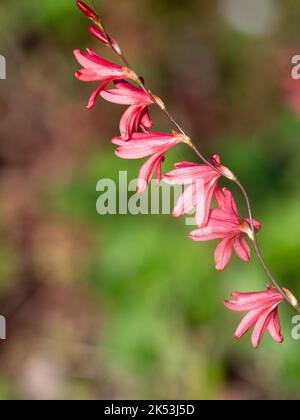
127,307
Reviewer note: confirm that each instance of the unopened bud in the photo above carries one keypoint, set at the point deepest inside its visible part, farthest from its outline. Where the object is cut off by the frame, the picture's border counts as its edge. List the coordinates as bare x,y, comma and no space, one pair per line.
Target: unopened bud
87,10
99,35
292,299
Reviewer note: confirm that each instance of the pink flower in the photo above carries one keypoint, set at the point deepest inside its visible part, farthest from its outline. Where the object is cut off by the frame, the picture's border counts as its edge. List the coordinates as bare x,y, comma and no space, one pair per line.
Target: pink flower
263,314
96,69
136,116
224,223
142,145
201,181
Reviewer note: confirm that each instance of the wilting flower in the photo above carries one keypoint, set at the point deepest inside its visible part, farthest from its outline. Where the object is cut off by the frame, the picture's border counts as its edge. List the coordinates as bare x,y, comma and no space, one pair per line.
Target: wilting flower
97,69
224,223
136,116
201,183
142,145
263,314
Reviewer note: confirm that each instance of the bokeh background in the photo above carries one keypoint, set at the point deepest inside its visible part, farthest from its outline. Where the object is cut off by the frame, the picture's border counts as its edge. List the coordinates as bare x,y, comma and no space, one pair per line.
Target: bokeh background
128,307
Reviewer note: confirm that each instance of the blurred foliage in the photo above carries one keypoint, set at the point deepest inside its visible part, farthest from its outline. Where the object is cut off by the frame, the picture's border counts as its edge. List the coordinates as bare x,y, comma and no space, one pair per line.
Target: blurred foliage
122,306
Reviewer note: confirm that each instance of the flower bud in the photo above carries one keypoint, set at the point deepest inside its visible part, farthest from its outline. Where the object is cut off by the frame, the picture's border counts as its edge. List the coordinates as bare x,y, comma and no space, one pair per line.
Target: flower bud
99,35
87,10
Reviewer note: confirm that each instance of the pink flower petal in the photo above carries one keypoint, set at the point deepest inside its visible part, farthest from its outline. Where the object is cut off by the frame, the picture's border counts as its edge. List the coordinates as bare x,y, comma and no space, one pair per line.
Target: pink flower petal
242,248
147,171
126,94
84,59
225,201
274,327
209,233
223,253
188,174
186,201
248,322
261,326
130,121
96,94
96,68
204,199
145,144
249,301
146,122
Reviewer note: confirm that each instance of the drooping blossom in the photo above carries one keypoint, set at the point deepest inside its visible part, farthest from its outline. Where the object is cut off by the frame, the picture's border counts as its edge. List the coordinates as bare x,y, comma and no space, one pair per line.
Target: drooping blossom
136,116
201,183
97,69
142,145
263,314
225,224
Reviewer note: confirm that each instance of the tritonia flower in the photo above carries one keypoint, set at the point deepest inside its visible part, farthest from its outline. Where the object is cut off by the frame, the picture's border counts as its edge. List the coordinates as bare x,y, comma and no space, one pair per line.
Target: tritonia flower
263,314
225,224
201,183
142,145
136,116
97,69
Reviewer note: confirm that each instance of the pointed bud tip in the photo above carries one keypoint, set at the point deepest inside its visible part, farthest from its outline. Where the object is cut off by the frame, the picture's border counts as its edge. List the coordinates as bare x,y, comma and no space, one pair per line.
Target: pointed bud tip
87,11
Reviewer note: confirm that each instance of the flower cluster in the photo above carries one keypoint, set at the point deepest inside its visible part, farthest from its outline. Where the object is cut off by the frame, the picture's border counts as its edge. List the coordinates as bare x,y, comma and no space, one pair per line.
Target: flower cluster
217,216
